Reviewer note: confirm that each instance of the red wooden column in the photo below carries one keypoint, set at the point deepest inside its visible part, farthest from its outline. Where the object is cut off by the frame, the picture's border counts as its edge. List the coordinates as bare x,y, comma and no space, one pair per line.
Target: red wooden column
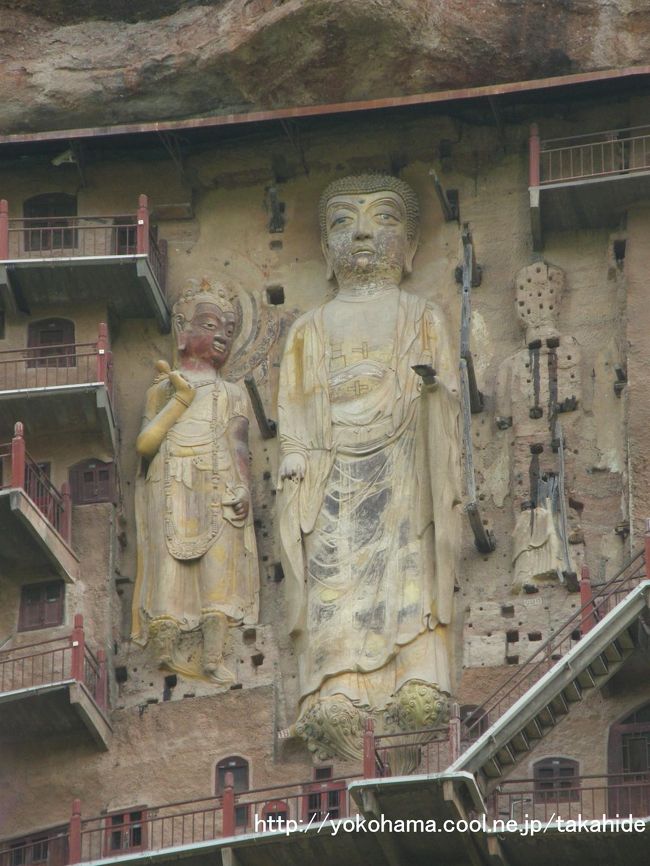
4,229
102,680
588,620
78,643
66,517
102,352
534,150
74,841
369,762
18,456
142,244
228,806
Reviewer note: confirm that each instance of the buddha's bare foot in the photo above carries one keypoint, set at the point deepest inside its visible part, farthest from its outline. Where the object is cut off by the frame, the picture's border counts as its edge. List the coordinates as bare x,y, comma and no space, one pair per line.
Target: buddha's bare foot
218,673
214,627
164,635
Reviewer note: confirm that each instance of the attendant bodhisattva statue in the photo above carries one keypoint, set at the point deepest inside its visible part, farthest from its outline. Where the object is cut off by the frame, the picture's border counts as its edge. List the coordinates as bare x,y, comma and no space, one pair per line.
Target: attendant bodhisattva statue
197,559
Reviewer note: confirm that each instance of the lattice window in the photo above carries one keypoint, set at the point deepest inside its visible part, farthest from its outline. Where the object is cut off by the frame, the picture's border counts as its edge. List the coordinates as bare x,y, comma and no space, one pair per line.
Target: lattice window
41,605
324,799
51,343
49,849
92,481
47,229
126,831
556,779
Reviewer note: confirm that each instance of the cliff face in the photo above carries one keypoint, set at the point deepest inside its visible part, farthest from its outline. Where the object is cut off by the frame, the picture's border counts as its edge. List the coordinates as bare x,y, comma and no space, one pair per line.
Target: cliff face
95,62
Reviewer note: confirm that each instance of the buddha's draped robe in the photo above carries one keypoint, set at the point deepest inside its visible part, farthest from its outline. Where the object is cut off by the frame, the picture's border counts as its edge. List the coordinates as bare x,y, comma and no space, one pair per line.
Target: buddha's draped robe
370,536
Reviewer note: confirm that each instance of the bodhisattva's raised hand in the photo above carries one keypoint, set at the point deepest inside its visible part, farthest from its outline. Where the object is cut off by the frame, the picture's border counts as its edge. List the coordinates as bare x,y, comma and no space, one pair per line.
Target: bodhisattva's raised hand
183,391
153,433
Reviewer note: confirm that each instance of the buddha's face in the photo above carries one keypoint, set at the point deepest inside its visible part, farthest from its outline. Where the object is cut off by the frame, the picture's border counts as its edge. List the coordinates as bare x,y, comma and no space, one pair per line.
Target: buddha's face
366,236
208,337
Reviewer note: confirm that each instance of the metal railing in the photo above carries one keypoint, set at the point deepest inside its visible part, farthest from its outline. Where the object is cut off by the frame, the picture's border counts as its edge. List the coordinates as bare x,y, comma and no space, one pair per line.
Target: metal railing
50,366
588,797
429,750
22,472
47,847
559,643
36,664
599,155
190,822
83,237
296,806
56,660
299,802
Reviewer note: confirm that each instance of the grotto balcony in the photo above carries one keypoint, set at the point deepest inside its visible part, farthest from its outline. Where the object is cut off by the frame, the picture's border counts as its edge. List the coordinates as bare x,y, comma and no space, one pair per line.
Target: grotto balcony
553,804
54,687
74,260
586,181
35,517
295,824
61,389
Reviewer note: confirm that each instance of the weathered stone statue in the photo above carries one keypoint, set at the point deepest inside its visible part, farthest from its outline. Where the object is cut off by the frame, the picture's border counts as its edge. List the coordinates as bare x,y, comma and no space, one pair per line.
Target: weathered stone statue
538,391
197,560
369,480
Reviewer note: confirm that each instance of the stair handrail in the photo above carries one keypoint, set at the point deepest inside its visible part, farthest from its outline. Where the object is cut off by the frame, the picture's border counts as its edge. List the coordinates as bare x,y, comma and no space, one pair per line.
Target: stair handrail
543,656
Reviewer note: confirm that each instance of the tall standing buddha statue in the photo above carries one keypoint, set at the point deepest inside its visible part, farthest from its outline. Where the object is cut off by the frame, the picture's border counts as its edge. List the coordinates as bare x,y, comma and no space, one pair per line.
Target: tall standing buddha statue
369,510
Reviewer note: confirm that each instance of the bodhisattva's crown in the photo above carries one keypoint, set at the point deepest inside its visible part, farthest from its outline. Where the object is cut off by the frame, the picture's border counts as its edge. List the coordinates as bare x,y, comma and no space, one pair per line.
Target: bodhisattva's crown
205,293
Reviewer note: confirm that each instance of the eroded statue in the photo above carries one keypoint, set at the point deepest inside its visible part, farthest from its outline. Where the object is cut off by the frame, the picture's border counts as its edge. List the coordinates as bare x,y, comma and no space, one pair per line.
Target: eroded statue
197,559
538,393
369,505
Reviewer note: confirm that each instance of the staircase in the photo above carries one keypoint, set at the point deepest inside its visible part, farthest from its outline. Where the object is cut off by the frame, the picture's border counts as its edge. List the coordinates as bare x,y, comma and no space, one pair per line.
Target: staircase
582,655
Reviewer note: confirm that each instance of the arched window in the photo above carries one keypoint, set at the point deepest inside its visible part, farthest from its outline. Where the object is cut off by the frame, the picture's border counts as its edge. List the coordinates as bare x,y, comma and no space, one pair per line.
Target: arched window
92,481
556,779
631,741
46,226
238,766
629,763
51,343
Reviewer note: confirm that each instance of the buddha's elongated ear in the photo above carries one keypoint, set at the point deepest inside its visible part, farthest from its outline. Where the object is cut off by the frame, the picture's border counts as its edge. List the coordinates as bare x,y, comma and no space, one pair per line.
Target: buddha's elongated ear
326,255
410,253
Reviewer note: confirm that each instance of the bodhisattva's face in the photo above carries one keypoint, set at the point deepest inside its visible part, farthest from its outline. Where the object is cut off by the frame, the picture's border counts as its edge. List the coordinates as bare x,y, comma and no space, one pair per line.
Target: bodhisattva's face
366,237
208,337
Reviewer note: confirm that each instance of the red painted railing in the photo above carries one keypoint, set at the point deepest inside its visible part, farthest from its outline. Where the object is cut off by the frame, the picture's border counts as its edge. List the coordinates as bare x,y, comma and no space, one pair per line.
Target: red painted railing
50,366
55,660
589,797
189,822
599,155
593,609
25,474
429,750
83,236
297,806
48,847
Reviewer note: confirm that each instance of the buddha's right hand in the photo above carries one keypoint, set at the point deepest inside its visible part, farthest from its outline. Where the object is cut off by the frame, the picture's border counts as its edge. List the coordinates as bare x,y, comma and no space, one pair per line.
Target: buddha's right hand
182,388
293,466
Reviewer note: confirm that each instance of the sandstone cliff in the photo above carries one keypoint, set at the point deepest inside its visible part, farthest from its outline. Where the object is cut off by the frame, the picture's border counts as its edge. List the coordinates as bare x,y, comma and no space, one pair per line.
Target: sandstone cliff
91,62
